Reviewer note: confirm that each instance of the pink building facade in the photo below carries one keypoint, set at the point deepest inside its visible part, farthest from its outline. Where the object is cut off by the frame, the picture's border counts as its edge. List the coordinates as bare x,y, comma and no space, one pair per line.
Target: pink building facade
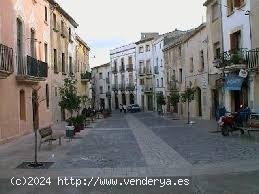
24,67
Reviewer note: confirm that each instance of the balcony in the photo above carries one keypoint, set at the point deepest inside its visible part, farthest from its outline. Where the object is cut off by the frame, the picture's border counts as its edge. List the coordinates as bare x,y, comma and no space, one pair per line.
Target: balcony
130,68
148,89
108,94
86,77
122,69
148,71
253,59
122,87
114,70
6,61
233,60
115,87
130,87
142,71
156,70
31,70
108,80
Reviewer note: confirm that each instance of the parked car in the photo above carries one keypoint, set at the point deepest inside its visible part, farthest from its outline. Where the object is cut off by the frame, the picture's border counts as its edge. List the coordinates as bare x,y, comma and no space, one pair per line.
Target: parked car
135,108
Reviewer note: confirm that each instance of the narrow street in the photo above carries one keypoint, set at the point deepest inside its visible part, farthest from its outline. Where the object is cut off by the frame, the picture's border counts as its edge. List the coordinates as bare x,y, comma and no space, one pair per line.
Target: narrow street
144,145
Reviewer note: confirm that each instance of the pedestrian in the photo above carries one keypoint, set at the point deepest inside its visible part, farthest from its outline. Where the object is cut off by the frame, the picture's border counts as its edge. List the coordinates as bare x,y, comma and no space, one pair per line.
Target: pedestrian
121,107
125,108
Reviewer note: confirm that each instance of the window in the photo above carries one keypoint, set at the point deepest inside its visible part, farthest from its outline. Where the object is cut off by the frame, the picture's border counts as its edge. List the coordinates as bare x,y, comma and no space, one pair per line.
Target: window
55,61
22,106
63,63
161,63
141,49
202,60
32,43
157,83
235,40
55,21
70,34
56,91
46,14
130,60
157,61
160,45
62,27
215,11
216,48
100,75
180,51
180,75
46,52
71,65
141,82
174,75
19,40
147,48
162,82
230,6
101,90
47,96
191,64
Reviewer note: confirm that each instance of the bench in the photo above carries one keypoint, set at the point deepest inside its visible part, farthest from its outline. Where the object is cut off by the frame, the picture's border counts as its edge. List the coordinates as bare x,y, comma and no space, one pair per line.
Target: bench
47,135
249,129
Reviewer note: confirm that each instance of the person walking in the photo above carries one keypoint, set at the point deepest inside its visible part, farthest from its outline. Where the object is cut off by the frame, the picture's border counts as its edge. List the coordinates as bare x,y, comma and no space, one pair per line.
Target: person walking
125,108
121,107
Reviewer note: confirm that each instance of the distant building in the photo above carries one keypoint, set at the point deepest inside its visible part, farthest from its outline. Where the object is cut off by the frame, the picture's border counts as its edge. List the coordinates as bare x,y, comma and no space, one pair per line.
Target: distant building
101,87
124,77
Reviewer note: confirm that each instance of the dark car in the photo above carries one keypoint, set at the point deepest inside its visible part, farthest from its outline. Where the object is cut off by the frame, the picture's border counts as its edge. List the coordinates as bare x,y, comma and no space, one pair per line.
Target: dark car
135,108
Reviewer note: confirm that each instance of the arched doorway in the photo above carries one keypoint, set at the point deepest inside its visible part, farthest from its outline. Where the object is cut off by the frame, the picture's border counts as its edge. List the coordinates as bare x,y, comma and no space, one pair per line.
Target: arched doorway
198,96
116,101
123,96
132,99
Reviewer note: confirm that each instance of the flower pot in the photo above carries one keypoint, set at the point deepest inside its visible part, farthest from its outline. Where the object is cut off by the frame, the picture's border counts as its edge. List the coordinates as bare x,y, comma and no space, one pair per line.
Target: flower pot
70,131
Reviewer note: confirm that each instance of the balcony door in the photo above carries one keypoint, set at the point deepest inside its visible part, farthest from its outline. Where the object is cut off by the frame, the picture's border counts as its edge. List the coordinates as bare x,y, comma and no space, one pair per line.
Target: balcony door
235,40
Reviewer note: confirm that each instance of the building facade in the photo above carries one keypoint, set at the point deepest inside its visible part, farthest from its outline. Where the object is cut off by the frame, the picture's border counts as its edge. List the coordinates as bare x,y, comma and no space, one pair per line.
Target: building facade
63,55
124,75
24,67
101,87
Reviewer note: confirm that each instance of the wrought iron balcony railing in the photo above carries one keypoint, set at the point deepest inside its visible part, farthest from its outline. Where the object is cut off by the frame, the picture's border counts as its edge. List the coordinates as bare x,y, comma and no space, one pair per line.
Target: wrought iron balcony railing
130,68
114,70
115,87
122,68
32,68
6,61
130,87
87,76
122,87
232,58
253,59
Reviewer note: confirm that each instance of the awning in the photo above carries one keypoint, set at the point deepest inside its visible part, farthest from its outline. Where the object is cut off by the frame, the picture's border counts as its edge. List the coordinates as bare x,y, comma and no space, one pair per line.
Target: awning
233,82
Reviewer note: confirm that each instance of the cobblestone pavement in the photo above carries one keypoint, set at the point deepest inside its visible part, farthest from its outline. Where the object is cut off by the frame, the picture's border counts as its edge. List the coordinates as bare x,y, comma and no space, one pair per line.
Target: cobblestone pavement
142,145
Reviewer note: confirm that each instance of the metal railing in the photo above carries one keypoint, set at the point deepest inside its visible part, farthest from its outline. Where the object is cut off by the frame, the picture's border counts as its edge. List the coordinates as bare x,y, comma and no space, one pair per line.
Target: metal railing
253,59
6,59
86,76
32,67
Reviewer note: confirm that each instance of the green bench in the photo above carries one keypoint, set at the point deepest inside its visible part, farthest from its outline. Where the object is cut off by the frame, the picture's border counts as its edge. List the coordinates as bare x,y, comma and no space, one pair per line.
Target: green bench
47,135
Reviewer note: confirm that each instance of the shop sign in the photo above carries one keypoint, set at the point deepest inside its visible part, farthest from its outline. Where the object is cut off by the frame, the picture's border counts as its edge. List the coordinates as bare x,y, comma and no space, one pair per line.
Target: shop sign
233,82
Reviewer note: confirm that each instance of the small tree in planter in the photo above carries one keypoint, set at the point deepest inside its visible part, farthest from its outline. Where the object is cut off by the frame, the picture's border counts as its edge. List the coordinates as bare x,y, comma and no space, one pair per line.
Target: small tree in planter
174,98
188,96
160,100
70,101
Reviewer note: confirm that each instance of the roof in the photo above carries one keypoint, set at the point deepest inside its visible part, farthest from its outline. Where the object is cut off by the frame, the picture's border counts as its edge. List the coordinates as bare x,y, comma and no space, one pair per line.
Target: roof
63,12
82,42
103,65
144,40
207,2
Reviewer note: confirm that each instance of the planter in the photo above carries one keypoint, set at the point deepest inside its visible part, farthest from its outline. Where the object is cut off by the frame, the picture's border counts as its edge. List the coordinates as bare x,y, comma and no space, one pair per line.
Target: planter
77,129
70,131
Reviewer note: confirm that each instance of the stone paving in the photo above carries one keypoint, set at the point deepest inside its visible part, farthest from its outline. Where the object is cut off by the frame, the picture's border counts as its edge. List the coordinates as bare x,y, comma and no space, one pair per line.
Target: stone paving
143,145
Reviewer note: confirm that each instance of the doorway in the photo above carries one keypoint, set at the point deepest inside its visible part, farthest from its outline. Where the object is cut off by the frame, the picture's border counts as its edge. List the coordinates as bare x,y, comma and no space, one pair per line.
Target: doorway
123,96
215,102
132,99
116,101
199,108
150,103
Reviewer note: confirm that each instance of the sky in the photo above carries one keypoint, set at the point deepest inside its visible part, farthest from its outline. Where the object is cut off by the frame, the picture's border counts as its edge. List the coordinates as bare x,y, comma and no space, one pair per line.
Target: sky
108,24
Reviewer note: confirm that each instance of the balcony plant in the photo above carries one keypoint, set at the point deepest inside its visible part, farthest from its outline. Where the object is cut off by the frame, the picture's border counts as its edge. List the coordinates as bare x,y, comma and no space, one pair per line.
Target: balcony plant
237,58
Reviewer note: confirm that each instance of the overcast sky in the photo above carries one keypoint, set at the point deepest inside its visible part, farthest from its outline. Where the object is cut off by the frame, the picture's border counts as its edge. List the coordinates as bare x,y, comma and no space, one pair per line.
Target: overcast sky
107,24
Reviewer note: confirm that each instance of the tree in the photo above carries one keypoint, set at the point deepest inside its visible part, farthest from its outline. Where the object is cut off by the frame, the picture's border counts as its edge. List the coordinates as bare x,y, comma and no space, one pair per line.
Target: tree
160,99
70,101
174,98
188,96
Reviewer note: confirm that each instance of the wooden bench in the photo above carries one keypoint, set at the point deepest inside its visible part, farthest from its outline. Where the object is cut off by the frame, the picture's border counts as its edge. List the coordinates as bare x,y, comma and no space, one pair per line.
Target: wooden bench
47,135
249,129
